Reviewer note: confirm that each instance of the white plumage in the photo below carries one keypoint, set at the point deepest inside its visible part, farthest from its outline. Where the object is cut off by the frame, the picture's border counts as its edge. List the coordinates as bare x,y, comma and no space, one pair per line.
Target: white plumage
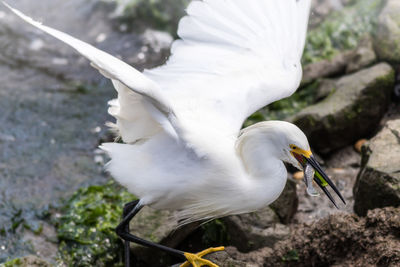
181,122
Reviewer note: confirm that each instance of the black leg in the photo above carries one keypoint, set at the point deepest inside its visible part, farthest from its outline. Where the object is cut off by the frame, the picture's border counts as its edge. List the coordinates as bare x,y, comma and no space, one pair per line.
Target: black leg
127,247
130,210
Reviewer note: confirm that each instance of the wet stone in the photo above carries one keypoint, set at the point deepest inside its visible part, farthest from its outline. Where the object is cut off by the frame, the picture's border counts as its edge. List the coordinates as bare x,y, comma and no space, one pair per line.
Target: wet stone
387,34
378,182
351,112
255,230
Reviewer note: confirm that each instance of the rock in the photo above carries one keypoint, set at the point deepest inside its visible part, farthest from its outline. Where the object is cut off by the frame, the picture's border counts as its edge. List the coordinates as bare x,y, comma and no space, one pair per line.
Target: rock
325,88
326,67
223,259
341,31
86,226
396,91
320,9
351,112
255,230
361,57
387,33
286,205
6,138
341,62
339,240
298,175
157,226
27,261
378,182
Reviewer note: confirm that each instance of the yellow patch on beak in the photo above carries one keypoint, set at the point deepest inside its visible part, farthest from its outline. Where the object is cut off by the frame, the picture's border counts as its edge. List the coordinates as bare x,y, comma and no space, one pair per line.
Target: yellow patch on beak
306,153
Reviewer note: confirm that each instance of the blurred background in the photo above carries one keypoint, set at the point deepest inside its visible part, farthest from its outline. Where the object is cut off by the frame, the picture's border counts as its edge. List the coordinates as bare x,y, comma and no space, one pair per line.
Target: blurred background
58,207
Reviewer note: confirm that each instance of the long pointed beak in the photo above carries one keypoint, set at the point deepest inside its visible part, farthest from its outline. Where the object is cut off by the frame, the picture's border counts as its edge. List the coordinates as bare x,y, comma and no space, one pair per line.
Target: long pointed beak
323,180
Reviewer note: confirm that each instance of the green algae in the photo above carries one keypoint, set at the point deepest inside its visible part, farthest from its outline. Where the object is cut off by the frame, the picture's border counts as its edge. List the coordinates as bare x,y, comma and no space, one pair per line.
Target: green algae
291,255
214,233
341,31
86,228
27,261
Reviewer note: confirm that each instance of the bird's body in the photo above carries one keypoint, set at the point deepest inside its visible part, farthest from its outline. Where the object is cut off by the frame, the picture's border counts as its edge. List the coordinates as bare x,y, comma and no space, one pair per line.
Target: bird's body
183,148
248,170
213,81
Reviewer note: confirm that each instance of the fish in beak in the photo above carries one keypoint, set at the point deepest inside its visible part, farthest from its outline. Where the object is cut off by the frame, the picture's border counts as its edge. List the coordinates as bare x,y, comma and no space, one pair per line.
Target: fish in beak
313,171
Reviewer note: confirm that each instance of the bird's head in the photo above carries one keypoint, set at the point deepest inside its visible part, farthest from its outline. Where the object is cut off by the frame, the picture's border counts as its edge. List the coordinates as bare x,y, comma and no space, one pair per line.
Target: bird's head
298,153
288,143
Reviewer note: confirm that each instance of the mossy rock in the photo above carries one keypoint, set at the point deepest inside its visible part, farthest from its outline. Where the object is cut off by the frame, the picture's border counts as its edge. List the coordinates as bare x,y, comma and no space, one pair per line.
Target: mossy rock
387,35
342,30
27,261
378,182
86,228
255,230
351,112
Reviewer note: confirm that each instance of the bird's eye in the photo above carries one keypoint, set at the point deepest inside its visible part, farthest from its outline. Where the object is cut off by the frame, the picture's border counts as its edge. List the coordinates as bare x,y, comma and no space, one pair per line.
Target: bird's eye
294,147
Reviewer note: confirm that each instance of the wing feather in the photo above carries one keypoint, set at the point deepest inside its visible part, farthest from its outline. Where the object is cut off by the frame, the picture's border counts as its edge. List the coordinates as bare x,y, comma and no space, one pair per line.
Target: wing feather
141,109
233,58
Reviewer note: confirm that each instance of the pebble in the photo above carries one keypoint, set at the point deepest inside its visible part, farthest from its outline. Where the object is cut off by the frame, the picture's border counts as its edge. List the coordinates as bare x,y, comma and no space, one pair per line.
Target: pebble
6,138
298,175
359,144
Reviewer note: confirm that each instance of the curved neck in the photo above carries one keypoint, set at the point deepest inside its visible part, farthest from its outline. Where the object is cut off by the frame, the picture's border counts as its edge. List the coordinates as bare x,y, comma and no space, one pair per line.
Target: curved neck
261,159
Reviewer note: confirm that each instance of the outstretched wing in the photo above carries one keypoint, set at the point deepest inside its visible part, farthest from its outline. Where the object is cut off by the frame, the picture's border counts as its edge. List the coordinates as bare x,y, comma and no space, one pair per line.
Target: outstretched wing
233,58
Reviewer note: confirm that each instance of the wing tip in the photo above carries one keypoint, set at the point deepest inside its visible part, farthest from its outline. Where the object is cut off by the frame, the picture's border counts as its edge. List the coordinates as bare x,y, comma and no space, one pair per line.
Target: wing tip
21,15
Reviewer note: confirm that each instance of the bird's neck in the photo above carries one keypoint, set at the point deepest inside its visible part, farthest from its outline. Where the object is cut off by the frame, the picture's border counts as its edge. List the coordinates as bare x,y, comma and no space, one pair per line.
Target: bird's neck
262,160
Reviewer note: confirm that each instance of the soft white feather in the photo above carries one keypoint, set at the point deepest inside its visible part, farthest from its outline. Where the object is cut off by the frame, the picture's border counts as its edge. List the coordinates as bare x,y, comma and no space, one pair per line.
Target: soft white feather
233,58
182,120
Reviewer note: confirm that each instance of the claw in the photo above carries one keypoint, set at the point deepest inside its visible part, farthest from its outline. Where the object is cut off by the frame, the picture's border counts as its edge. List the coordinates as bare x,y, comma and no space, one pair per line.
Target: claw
196,260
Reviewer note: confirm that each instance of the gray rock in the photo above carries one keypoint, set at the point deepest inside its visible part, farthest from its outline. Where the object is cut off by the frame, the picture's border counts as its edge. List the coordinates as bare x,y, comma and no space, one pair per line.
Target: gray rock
363,56
255,230
344,62
351,112
326,68
287,203
321,9
223,259
378,182
158,226
387,36
325,88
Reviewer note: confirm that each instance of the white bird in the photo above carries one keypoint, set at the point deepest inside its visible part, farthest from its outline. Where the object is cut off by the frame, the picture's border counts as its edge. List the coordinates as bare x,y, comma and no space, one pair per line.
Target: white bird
181,123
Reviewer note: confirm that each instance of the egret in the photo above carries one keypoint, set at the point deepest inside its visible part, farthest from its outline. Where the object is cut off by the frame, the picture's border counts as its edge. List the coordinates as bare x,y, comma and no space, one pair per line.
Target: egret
183,147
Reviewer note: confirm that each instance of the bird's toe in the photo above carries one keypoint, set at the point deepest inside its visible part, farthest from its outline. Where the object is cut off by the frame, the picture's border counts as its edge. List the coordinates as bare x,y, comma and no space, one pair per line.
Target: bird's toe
196,260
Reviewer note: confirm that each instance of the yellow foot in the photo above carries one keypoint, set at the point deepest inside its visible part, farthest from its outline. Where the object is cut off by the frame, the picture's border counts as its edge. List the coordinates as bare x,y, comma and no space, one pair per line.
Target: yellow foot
196,260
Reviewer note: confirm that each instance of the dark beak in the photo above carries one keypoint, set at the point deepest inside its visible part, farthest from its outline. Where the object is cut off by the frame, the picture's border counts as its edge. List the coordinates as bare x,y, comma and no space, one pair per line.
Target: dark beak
323,180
